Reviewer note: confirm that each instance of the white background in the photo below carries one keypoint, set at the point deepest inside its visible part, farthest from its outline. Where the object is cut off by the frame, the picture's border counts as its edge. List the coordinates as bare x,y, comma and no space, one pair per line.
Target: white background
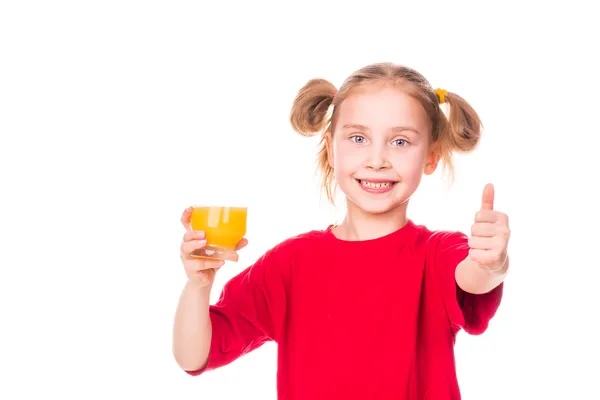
116,115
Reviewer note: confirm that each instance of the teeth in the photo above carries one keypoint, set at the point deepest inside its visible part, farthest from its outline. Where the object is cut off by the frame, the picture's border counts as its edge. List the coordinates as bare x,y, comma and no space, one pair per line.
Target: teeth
374,185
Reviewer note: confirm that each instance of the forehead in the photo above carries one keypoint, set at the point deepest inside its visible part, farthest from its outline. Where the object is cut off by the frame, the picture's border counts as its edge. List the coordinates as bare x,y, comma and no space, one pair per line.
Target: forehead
381,107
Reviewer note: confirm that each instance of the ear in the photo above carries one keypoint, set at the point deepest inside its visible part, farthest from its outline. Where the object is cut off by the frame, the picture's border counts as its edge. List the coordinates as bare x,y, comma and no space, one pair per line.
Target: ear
432,161
329,147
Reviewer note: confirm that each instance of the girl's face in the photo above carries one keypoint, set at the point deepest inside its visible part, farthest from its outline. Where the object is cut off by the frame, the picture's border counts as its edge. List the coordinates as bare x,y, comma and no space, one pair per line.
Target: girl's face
380,148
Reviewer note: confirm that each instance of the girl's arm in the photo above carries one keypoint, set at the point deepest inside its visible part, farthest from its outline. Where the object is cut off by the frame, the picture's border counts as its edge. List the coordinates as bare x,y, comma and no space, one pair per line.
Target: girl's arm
192,329
251,310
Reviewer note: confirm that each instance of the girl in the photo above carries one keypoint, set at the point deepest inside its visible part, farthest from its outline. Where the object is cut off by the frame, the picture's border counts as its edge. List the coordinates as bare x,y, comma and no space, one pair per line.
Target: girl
370,308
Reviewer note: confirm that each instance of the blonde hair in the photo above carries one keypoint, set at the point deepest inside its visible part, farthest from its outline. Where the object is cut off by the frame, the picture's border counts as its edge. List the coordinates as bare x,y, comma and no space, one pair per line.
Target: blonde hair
310,114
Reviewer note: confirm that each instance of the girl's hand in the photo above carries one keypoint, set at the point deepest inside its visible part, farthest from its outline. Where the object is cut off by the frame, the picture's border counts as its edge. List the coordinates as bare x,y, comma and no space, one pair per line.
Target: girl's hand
489,235
198,270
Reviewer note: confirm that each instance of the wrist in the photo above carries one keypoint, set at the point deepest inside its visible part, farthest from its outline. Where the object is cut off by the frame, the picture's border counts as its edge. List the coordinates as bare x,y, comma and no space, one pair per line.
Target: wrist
199,285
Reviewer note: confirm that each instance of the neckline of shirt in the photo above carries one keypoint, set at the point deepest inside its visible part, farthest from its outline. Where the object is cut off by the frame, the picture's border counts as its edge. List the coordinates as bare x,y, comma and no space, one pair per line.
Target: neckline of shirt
399,233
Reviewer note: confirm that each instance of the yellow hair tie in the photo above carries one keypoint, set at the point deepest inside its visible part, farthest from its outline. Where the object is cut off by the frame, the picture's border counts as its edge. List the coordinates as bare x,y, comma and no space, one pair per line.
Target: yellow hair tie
442,95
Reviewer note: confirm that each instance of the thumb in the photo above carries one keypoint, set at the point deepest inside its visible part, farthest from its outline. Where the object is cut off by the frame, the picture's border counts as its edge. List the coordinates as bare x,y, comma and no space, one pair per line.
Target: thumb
487,200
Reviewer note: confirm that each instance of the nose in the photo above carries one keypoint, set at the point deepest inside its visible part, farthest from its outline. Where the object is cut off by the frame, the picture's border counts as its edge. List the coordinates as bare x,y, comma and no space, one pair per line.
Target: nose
378,159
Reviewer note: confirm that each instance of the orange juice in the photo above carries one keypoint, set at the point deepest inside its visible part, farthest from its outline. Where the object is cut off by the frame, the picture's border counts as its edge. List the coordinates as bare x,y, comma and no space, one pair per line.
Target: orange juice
224,228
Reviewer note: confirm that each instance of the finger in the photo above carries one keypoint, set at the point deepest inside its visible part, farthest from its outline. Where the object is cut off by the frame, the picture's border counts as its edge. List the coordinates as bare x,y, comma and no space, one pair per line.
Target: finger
481,243
188,247
204,264
490,216
485,257
487,200
480,256
214,264
185,218
193,235
241,244
484,229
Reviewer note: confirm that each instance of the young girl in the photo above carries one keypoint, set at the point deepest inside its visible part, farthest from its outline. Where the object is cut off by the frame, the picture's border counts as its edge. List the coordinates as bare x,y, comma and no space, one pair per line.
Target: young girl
368,309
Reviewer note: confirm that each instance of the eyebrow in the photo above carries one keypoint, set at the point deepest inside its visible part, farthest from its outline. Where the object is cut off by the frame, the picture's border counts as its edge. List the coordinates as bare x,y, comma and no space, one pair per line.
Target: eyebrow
395,129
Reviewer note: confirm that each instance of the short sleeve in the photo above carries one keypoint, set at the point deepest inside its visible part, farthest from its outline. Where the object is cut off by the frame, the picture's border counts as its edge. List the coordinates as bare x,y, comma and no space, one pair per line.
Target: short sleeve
250,311
471,312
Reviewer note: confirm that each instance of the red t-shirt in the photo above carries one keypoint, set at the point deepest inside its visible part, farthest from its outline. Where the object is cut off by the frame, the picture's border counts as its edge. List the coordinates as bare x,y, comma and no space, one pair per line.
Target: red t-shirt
373,319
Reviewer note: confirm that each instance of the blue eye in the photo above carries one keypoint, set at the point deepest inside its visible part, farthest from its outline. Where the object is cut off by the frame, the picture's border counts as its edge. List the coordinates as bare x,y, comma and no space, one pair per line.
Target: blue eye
400,142
357,139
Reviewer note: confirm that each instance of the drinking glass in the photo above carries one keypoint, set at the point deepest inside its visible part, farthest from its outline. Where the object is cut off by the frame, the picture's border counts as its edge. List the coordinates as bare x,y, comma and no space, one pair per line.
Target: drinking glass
224,226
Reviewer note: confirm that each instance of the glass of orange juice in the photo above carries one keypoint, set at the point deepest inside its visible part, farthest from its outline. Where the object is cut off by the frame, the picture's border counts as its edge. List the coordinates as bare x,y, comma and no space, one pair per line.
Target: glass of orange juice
224,227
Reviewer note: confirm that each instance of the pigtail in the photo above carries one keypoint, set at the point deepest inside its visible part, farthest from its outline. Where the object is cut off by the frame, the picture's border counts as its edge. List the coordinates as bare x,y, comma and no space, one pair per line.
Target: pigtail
463,126
309,111
460,131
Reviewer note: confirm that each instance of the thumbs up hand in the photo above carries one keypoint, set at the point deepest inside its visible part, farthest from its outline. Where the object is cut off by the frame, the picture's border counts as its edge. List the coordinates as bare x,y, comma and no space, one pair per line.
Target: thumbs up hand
489,235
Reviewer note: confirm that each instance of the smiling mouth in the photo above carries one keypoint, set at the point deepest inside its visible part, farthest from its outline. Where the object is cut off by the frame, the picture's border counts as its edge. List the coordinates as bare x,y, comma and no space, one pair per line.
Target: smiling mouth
376,185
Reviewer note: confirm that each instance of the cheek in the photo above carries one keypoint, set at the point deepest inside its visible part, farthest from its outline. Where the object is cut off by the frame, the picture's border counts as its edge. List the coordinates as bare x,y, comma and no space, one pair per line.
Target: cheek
409,163
346,158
